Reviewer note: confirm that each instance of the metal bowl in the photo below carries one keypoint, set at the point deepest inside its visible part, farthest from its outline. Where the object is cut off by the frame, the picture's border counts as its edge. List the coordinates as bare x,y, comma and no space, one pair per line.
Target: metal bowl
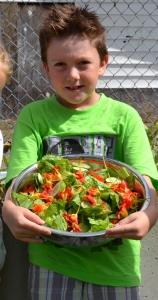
81,239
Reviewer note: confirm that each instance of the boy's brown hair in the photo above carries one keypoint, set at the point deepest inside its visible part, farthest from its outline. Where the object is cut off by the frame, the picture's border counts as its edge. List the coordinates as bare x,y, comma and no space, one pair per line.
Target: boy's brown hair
6,63
70,20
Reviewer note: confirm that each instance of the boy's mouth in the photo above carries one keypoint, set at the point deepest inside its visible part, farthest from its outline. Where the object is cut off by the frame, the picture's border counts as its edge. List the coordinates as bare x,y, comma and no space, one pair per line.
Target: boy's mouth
74,88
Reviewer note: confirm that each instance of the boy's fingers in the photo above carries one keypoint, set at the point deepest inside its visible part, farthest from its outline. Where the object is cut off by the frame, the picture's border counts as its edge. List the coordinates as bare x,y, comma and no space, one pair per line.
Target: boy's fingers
28,225
30,233
34,229
34,223
32,217
33,240
135,226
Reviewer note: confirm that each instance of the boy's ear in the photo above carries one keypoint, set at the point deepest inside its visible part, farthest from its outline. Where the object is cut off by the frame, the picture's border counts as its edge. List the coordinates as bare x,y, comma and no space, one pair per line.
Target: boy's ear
46,68
103,65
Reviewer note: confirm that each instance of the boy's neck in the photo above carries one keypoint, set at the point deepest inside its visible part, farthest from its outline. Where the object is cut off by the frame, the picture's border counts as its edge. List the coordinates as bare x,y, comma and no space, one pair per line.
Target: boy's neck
80,106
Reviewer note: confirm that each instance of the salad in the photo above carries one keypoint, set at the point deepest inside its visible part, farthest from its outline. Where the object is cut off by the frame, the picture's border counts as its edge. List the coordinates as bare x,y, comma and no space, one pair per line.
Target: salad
81,195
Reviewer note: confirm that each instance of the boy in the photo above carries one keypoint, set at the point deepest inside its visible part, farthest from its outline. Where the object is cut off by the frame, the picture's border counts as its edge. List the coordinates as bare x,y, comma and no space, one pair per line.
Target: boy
78,119
5,73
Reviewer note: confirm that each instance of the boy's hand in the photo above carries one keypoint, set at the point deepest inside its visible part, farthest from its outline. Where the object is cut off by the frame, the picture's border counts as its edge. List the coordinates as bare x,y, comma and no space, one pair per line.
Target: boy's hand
24,224
137,225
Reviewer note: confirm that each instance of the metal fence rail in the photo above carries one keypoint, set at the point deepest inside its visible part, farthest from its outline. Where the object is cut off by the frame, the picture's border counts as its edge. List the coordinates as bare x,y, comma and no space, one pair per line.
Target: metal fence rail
132,40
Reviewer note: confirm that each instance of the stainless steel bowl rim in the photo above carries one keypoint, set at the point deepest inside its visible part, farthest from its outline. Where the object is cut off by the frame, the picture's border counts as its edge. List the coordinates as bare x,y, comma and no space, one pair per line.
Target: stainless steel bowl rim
33,168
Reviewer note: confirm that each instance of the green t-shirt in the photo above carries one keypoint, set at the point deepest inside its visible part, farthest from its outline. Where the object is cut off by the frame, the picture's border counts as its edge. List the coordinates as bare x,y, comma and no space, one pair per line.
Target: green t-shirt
109,127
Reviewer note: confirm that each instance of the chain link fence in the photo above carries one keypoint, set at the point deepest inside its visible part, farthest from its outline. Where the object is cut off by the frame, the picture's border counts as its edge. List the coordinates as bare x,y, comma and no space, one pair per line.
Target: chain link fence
132,40
131,77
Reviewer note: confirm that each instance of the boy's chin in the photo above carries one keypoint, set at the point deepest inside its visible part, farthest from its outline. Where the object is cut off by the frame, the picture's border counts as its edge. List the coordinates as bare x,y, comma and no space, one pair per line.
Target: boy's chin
71,104
79,103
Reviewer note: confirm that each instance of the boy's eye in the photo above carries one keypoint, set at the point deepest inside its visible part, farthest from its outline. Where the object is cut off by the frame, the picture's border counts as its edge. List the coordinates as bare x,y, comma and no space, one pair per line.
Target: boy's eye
84,62
59,64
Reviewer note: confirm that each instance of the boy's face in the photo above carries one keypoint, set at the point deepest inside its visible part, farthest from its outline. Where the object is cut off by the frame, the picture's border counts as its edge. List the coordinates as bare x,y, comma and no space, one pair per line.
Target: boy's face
73,66
2,79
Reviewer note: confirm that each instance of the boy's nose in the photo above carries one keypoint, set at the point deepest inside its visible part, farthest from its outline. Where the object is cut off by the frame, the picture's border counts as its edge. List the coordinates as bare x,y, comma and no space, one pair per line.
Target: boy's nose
73,74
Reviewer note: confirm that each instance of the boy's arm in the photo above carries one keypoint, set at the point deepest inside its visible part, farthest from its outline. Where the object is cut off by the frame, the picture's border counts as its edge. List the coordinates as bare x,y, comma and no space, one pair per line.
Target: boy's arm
137,225
23,224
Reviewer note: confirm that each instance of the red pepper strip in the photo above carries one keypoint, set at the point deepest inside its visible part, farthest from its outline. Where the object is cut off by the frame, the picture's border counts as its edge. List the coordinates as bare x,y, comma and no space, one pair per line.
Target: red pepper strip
56,169
114,221
52,177
72,222
123,211
76,228
90,199
71,218
121,187
79,176
128,198
45,195
66,194
39,207
93,173
93,191
47,186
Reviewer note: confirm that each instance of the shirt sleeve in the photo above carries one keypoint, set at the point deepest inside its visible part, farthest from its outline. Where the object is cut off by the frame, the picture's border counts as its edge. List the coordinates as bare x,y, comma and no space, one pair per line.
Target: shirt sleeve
25,146
137,149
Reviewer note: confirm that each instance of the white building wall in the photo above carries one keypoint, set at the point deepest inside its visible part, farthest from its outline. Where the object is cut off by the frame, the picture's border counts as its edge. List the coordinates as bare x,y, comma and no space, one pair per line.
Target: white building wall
132,40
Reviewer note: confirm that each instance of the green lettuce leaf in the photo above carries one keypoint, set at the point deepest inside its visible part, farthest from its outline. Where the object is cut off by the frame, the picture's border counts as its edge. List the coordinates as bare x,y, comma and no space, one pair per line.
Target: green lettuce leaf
57,222
23,200
99,224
